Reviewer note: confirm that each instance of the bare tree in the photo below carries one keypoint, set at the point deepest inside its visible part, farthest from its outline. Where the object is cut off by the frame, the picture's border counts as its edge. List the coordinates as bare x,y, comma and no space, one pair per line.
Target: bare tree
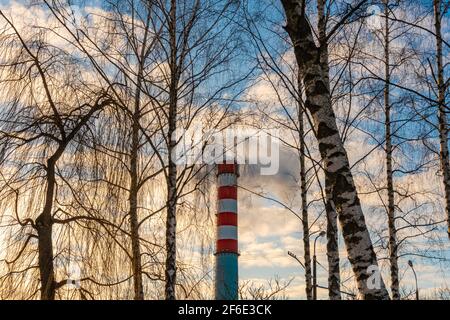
332,229
47,120
337,169
393,254
442,86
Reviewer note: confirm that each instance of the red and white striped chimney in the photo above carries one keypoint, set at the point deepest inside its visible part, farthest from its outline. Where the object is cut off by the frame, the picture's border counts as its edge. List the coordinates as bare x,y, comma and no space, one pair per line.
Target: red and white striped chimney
227,233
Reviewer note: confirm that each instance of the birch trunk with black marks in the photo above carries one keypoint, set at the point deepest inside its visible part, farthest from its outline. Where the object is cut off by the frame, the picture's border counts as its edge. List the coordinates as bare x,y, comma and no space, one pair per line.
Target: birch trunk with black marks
443,125
336,165
304,195
334,278
171,222
393,252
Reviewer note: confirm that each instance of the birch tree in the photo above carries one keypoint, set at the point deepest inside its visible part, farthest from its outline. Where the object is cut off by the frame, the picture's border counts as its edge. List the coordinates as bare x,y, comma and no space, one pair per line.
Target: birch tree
442,85
337,169
388,148
197,43
332,230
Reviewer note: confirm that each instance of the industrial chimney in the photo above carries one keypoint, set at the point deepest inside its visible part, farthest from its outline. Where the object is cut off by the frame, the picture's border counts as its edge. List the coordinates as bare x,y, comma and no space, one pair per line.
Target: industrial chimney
227,233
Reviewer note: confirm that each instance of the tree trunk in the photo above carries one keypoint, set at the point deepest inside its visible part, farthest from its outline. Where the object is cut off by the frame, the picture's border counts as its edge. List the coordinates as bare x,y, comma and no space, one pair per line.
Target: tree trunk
303,188
334,277
44,222
171,222
133,199
44,225
336,165
334,274
393,255
443,131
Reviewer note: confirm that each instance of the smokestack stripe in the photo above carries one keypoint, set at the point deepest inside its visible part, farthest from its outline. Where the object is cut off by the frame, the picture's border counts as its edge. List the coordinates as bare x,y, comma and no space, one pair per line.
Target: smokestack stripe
227,246
227,193
227,219
227,179
227,233
227,205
